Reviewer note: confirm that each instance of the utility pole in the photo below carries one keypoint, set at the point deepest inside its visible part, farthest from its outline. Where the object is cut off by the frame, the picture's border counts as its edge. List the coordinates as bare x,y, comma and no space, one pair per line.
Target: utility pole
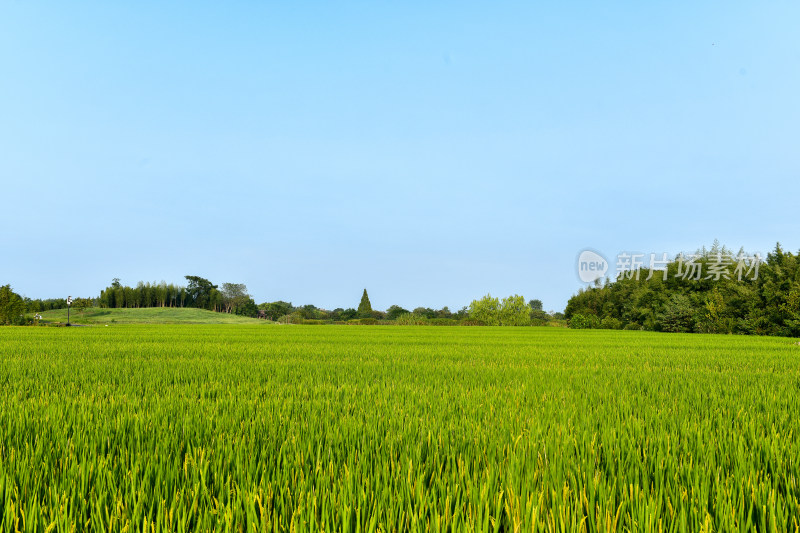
69,302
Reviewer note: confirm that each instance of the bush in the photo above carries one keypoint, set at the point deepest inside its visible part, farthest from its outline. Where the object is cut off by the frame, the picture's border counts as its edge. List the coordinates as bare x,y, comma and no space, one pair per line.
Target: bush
411,319
395,311
294,318
583,322
611,323
677,315
23,321
362,322
11,306
443,322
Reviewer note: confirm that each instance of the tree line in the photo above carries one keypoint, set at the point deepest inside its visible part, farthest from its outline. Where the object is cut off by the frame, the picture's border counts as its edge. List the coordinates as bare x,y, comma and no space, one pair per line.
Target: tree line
199,293
14,309
510,311
710,291
233,298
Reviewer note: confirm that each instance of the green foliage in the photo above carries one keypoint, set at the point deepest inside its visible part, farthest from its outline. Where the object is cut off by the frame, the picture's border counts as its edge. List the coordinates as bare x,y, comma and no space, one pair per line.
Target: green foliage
511,311
348,314
274,310
82,304
427,312
12,306
411,319
486,310
677,314
395,311
610,322
308,312
364,307
295,317
539,318
202,293
362,322
234,296
514,311
579,321
766,304
444,322
247,308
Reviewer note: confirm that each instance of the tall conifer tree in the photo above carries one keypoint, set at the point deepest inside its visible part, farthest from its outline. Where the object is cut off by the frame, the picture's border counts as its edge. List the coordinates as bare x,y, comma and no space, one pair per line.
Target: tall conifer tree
364,308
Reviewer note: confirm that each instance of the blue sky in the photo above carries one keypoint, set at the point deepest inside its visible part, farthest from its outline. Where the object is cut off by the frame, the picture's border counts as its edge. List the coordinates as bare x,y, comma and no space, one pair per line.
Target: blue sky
430,153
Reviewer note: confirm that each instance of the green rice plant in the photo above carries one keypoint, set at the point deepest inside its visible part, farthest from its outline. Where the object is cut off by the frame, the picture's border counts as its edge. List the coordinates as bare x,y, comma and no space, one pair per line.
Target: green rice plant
300,428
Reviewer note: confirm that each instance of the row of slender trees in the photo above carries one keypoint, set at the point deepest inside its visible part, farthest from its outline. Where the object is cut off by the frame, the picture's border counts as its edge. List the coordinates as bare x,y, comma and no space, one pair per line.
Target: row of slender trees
198,293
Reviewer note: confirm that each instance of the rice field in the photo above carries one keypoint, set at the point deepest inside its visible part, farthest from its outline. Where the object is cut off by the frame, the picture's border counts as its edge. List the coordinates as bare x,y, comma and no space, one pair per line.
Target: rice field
347,428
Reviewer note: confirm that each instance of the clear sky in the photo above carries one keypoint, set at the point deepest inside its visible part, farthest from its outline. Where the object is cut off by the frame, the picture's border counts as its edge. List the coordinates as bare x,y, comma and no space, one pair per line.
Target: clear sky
430,152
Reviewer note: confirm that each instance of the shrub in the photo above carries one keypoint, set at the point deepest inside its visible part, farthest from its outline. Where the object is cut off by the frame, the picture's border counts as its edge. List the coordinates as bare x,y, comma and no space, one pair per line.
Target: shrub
442,322
411,319
582,321
362,322
611,323
294,318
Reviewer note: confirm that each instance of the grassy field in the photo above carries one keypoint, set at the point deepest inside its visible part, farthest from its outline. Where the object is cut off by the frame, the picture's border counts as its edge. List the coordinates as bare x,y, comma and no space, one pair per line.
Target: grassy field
150,315
296,428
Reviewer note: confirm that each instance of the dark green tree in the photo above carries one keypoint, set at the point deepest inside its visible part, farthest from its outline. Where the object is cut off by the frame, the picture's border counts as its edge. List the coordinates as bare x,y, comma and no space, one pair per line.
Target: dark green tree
82,304
364,308
11,306
274,310
247,308
234,295
710,291
308,312
202,293
677,315
444,312
427,312
395,311
348,314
